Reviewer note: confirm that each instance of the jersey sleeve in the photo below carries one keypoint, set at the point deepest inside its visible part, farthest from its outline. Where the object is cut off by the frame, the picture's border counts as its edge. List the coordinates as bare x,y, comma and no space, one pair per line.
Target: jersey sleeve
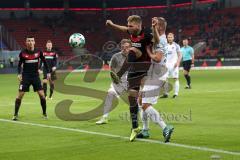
20,62
191,51
113,63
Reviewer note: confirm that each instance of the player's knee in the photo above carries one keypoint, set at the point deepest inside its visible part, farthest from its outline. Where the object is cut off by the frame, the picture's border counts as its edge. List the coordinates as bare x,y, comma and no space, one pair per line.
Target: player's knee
20,95
133,93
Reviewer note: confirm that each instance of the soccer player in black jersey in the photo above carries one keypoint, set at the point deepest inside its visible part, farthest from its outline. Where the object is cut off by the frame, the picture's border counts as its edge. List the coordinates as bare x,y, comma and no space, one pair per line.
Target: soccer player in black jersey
29,59
51,59
138,63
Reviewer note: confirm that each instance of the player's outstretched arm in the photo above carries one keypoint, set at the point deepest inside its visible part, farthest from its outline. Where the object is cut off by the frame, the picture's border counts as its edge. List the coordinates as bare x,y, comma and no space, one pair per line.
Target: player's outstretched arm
116,26
155,30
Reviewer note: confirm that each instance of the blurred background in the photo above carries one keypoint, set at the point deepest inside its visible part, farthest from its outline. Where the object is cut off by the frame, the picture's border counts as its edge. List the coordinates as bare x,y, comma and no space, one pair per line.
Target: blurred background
213,26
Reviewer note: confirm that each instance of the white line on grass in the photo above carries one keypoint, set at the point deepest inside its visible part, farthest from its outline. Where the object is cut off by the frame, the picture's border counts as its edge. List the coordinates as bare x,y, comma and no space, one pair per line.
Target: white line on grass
122,137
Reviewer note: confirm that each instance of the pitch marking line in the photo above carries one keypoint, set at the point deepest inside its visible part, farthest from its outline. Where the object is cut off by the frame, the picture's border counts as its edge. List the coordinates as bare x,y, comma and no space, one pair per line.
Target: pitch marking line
122,137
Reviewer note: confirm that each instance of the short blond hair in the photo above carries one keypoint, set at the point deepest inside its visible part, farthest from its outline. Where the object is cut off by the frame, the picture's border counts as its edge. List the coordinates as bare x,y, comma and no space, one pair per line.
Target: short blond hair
123,41
162,21
134,18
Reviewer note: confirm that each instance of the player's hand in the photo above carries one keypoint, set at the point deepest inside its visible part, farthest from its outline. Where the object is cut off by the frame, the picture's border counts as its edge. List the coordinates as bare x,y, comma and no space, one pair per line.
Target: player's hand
115,77
176,65
54,69
109,23
49,76
136,51
19,77
192,65
40,71
154,21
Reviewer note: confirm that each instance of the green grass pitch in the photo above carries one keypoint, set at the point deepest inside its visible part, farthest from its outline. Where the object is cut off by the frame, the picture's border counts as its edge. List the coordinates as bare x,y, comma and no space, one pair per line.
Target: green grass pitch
207,116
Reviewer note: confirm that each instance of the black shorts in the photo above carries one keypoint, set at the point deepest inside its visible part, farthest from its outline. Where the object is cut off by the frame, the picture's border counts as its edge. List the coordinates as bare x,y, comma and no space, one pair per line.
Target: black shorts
135,80
53,75
27,81
187,65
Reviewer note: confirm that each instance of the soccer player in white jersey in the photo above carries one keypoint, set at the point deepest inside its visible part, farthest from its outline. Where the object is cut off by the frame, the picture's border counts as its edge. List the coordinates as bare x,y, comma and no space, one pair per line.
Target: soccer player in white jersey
119,89
154,81
174,57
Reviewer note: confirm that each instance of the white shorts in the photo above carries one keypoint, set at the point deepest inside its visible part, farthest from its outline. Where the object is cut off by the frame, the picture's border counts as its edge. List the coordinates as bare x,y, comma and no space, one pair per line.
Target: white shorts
172,72
150,91
118,89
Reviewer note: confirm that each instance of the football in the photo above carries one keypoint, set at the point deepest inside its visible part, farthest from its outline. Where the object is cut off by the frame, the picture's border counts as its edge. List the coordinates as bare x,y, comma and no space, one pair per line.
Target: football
77,40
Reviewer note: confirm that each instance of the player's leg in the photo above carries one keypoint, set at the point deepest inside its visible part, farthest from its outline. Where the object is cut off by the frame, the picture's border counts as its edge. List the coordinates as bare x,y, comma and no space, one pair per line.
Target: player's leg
111,95
187,67
18,104
156,118
45,81
166,84
144,132
166,89
132,98
51,83
43,102
37,87
23,87
176,82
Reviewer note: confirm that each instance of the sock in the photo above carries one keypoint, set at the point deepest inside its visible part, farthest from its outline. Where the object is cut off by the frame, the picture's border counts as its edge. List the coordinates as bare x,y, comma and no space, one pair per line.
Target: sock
133,111
44,105
108,103
176,87
45,89
189,80
155,116
51,90
187,77
165,87
144,120
17,106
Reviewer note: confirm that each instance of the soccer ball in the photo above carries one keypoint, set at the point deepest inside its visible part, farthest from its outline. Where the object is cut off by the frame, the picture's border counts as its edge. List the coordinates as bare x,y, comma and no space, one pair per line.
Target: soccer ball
77,40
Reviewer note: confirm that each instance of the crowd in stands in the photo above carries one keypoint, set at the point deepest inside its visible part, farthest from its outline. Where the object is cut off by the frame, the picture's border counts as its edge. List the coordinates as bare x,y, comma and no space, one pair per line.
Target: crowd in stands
219,29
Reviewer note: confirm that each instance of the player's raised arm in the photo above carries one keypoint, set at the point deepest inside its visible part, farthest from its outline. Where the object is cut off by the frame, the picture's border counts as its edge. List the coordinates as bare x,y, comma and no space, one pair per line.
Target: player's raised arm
116,26
155,30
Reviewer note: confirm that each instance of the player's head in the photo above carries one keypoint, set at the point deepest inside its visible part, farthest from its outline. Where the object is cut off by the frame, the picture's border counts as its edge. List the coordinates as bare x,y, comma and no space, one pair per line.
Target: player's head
162,24
49,45
185,41
125,45
134,24
30,42
170,37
